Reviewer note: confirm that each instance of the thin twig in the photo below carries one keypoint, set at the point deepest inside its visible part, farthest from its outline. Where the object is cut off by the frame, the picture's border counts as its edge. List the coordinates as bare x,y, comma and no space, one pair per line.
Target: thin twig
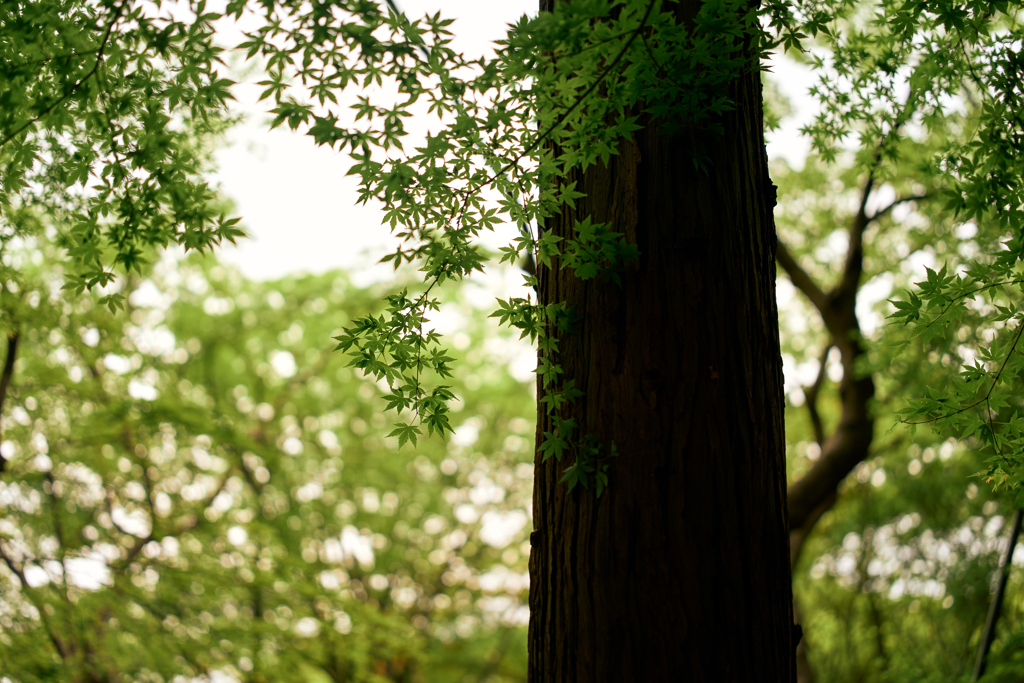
541,137
896,202
995,608
984,399
44,60
992,432
970,64
579,100
966,294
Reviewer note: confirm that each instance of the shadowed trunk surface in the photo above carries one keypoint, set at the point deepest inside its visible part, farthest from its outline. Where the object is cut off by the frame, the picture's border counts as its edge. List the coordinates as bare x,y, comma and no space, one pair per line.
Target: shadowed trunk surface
680,571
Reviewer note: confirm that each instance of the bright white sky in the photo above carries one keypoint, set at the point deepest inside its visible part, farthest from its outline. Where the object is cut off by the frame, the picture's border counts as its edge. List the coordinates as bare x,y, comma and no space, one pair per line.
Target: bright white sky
300,207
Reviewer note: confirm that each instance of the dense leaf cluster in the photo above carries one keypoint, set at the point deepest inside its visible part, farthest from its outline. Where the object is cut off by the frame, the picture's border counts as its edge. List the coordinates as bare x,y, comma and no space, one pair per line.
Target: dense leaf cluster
107,111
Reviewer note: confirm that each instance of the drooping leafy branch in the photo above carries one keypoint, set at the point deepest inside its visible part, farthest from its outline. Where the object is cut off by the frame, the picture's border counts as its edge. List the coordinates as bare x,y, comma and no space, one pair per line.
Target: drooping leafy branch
496,141
561,91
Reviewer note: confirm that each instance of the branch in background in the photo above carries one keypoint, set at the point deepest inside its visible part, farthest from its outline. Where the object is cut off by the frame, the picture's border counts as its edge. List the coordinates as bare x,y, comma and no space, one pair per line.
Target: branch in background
189,525
26,589
798,533
810,497
147,481
997,600
876,617
813,495
12,565
811,397
801,280
896,202
123,591
854,267
5,381
58,530
847,446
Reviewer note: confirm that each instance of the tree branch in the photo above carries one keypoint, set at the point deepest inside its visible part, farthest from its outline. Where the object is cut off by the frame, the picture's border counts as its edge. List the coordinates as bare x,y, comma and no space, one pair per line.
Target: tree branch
996,606
896,202
799,533
988,394
801,280
811,396
189,525
51,58
12,565
5,381
580,99
854,266
58,530
843,449
810,497
61,648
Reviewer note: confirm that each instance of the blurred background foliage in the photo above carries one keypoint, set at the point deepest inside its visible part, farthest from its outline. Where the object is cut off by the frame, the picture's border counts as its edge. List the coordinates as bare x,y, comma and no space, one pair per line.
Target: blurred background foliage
198,486
895,580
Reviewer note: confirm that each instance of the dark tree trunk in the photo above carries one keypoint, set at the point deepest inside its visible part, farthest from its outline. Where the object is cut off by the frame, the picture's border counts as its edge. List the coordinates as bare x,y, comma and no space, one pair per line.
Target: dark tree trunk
680,570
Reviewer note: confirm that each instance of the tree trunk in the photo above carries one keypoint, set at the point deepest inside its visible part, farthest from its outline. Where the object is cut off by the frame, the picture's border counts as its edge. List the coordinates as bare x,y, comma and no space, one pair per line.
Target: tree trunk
680,570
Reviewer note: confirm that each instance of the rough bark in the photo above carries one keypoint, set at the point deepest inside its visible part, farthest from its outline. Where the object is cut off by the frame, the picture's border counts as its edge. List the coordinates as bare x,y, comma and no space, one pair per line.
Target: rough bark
680,570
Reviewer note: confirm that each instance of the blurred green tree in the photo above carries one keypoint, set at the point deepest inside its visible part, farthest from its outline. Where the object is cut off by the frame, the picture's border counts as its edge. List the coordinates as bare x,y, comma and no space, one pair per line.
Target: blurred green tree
198,486
907,541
